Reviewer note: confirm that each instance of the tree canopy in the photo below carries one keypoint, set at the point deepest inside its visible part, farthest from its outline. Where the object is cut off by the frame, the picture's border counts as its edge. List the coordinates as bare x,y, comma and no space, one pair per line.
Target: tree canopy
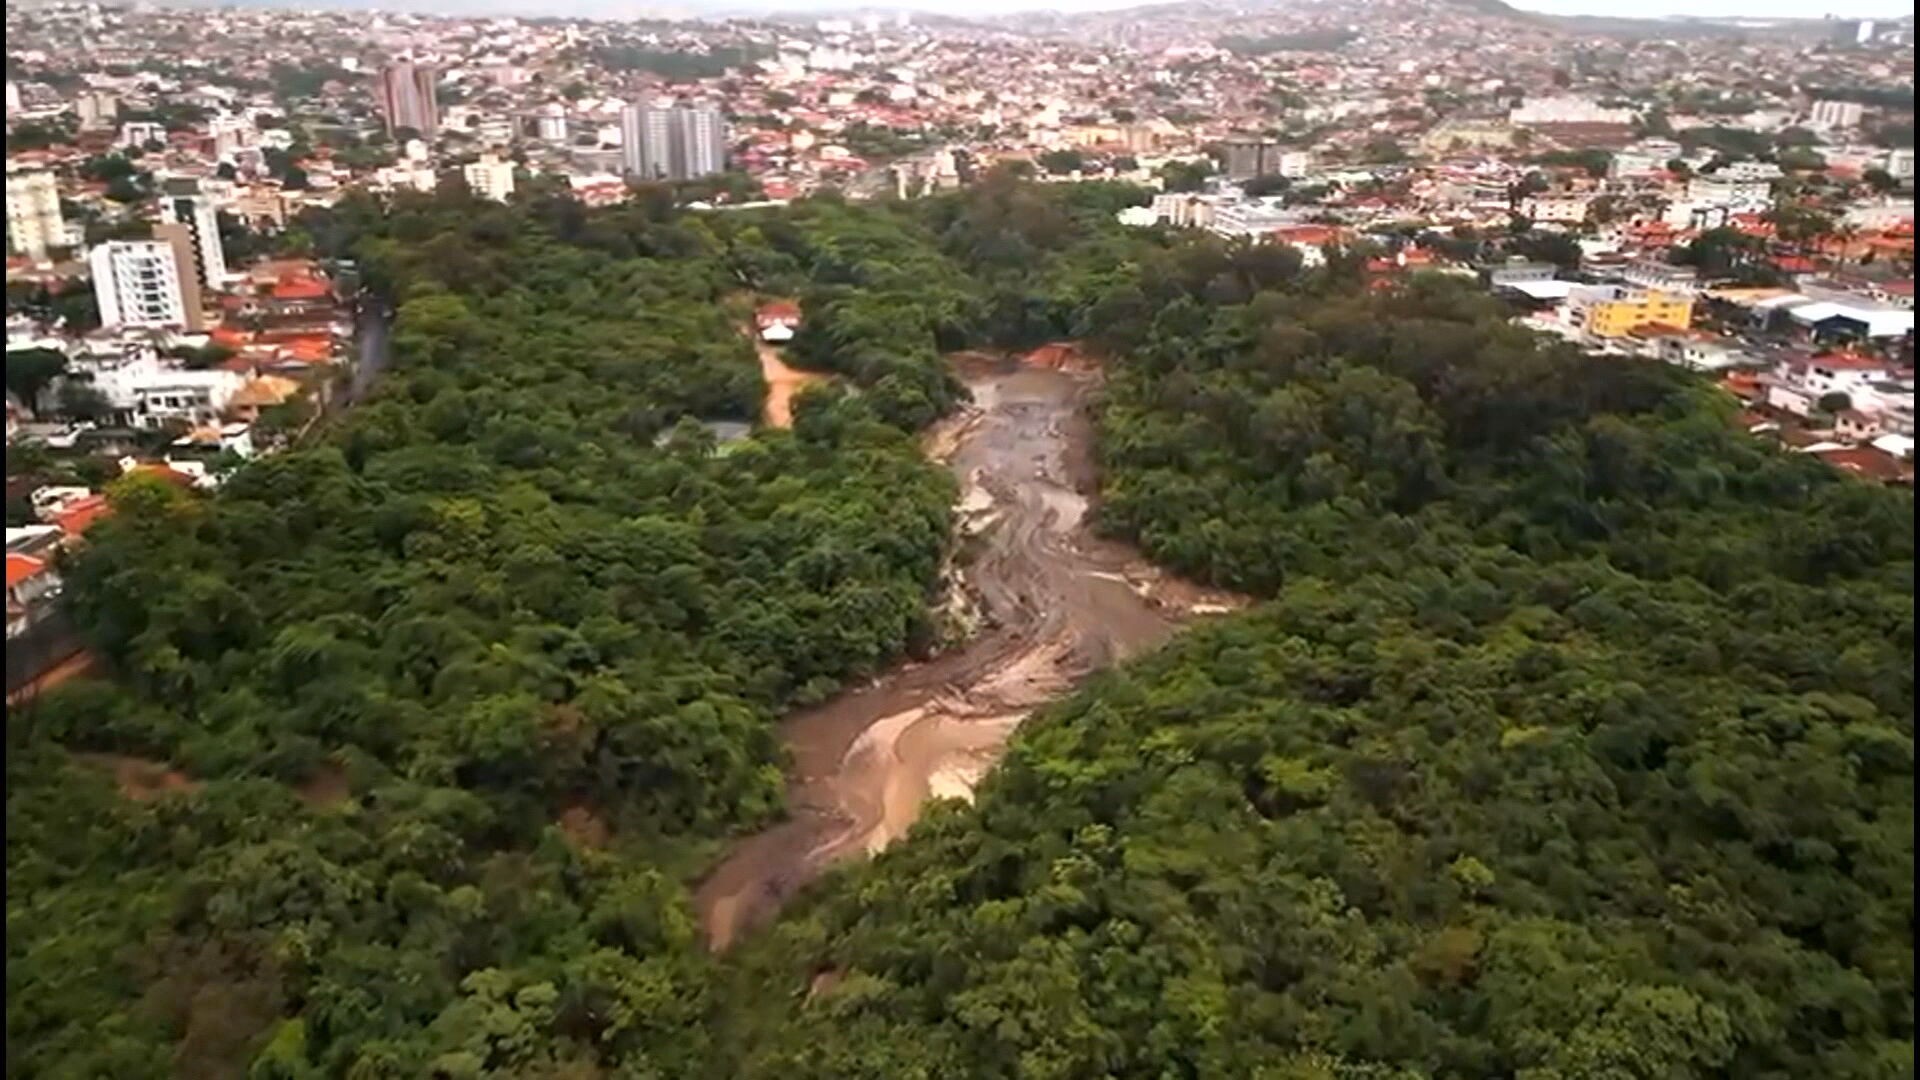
1570,735
1574,739
413,665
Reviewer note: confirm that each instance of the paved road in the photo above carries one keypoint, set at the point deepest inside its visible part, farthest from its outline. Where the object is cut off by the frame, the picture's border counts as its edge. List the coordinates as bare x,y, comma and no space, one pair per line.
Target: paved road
373,340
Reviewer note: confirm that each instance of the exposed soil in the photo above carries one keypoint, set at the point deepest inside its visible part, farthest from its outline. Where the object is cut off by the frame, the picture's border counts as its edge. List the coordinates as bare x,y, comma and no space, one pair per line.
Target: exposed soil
328,786
583,828
783,384
1056,604
141,779
80,663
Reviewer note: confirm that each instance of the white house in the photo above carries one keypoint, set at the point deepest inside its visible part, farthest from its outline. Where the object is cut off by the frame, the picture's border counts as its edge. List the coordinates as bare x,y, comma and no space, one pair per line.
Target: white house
31,581
1559,209
1797,384
195,398
777,321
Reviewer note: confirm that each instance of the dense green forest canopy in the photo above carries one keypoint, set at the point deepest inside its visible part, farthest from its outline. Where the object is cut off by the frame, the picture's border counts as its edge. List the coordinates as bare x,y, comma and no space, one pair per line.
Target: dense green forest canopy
519,583
1576,740
1573,739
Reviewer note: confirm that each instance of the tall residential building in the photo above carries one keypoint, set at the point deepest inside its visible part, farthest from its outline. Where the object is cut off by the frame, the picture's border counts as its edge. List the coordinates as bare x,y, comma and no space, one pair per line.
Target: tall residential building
407,99
1836,114
34,222
179,238
1611,311
676,142
196,212
137,283
97,109
646,141
550,123
490,178
703,134
1567,110
231,134
1248,158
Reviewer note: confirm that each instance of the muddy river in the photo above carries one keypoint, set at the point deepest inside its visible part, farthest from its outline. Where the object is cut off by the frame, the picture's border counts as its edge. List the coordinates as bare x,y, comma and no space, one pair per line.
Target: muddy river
1050,603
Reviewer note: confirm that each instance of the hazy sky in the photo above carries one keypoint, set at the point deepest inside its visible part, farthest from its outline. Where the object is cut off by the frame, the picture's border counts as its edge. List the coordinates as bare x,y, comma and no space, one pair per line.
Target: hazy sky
1756,8
1638,8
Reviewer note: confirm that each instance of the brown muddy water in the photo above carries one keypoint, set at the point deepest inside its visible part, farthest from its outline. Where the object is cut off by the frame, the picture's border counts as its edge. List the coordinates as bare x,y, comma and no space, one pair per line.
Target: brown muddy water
1052,602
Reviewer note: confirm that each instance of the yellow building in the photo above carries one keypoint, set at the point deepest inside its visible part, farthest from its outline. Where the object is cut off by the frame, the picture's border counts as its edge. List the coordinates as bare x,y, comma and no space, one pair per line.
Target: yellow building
1612,311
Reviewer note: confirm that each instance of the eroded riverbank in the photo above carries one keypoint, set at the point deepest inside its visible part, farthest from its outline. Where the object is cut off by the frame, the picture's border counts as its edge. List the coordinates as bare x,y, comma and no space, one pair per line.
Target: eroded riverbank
1054,602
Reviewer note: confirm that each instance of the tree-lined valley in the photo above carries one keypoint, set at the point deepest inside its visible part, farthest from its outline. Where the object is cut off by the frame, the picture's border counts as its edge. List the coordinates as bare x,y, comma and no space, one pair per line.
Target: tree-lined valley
1566,731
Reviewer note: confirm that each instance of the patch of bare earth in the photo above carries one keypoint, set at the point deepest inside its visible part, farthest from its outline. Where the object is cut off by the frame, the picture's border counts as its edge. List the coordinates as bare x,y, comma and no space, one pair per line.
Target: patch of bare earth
784,383
583,828
141,779
824,982
1047,603
328,786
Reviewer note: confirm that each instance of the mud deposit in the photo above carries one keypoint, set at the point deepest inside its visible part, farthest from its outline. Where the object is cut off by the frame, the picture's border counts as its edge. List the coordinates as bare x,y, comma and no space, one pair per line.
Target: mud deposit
1054,604
783,385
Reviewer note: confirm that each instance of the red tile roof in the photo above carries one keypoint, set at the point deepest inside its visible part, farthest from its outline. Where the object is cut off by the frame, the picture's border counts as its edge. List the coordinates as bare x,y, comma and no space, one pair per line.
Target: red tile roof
162,471
80,514
295,288
1306,234
1851,361
22,567
774,311
1860,460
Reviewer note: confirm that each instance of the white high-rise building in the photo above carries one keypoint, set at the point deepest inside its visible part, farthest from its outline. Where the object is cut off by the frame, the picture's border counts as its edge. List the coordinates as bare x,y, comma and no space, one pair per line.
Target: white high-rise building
34,222
1567,110
231,134
703,133
646,141
1294,164
550,123
677,142
1836,114
407,94
196,212
490,178
96,109
137,283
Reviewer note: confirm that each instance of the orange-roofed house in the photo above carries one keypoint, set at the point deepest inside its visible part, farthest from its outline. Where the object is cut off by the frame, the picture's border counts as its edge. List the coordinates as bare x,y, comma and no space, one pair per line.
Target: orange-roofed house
76,517
231,337
160,470
301,288
260,393
1308,240
1744,385
777,320
1867,462
30,583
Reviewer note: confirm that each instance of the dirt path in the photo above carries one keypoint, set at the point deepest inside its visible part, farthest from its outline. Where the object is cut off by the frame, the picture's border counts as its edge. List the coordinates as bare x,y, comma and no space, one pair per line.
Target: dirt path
80,663
1056,604
783,384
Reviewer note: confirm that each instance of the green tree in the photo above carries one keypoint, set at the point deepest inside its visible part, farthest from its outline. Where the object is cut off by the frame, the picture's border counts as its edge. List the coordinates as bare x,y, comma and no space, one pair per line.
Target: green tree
30,371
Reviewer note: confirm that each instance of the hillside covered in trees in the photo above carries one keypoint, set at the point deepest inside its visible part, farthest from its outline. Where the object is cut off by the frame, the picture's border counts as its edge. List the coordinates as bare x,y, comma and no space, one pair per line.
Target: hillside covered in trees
1576,740
519,588
1573,739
